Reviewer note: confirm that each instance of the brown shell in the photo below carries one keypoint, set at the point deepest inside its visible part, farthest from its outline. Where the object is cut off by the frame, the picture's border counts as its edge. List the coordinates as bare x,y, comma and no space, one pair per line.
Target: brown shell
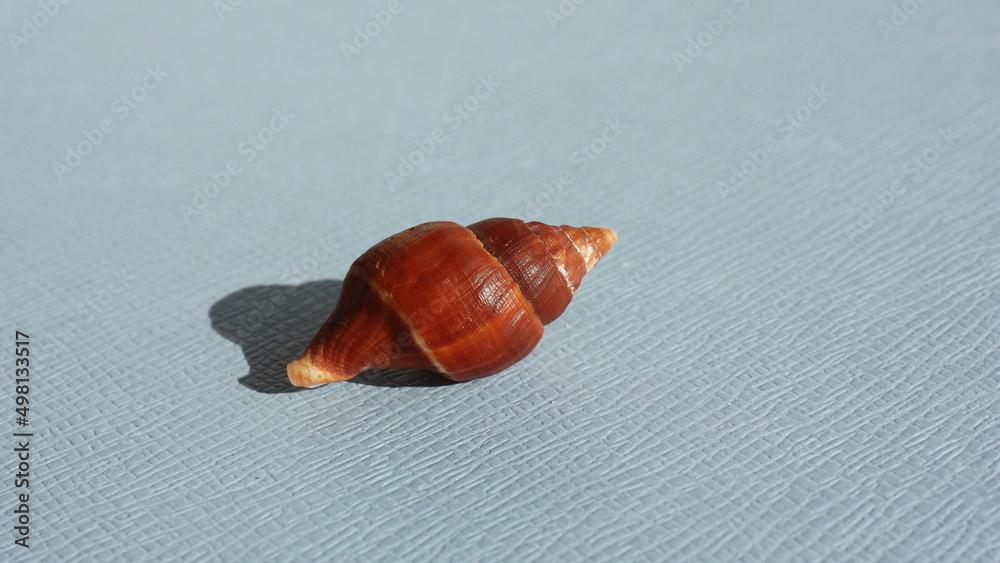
466,302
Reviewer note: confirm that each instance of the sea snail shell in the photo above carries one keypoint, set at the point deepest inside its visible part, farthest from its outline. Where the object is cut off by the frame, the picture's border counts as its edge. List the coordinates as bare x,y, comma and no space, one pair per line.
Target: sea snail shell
466,302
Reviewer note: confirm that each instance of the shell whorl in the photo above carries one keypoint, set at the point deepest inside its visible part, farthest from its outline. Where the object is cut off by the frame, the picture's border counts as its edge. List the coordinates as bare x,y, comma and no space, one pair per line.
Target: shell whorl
463,301
547,262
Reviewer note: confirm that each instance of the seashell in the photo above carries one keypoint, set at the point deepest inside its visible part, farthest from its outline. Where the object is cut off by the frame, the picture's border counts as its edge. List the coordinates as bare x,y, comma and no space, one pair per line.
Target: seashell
466,302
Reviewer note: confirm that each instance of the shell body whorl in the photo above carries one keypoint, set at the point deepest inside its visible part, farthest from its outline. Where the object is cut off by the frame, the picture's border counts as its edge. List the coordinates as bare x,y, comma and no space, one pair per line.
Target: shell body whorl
466,302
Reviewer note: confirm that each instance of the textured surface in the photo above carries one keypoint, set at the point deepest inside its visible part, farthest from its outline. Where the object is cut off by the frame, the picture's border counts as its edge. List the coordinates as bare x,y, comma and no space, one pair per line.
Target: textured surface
798,364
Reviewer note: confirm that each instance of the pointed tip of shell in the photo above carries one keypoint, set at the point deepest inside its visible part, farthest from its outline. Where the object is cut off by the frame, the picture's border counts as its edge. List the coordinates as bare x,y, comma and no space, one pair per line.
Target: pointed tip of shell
304,373
604,239
593,243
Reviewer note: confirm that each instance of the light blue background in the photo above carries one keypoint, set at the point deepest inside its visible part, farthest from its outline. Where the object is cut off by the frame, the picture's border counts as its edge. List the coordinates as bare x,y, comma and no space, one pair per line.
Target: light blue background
803,366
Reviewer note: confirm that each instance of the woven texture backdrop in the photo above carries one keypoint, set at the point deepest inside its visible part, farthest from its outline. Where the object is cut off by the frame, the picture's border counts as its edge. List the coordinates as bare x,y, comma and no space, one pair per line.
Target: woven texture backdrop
792,353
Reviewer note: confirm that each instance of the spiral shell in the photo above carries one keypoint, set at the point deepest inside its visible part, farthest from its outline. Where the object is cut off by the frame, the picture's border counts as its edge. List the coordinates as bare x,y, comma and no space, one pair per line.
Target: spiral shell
466,302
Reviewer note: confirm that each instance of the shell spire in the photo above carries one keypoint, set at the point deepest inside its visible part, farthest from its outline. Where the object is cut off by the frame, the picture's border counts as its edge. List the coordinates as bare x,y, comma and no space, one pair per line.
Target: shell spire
593,243
466,302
